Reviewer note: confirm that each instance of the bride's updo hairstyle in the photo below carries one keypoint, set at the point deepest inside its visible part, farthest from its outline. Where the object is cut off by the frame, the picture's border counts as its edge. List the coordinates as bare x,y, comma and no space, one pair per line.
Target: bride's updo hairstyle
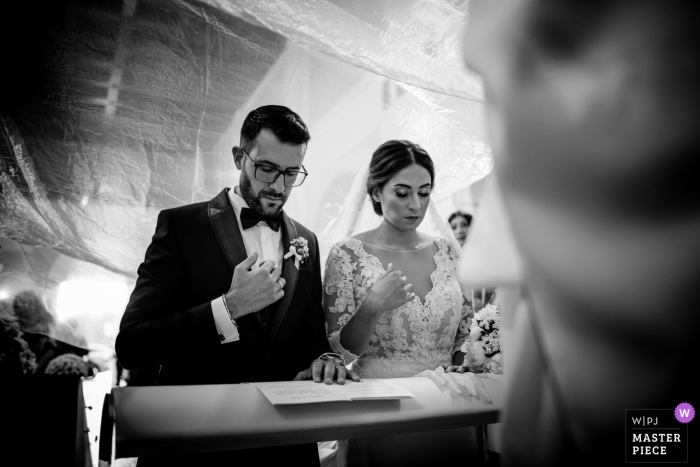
391,158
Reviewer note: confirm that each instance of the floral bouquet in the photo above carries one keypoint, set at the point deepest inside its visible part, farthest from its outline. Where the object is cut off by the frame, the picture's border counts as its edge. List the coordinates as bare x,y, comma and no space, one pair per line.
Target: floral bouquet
67,364
483,348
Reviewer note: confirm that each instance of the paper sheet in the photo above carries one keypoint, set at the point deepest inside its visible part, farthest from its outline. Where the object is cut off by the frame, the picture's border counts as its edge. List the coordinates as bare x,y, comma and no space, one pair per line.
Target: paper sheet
306,392
372,389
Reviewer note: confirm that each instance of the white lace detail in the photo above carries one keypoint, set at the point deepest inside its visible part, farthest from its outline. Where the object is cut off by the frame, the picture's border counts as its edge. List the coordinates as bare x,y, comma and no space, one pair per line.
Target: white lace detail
408,339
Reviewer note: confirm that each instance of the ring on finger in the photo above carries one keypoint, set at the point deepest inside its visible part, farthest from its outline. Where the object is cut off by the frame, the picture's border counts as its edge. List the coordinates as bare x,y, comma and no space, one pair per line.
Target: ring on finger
332,357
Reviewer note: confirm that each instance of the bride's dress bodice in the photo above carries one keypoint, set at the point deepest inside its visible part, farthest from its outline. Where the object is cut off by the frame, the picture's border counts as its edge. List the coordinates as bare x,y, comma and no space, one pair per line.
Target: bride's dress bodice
414,337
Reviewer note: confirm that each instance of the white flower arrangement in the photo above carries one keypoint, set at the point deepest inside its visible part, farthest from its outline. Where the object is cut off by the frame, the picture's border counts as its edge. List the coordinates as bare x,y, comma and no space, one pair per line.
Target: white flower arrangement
483,348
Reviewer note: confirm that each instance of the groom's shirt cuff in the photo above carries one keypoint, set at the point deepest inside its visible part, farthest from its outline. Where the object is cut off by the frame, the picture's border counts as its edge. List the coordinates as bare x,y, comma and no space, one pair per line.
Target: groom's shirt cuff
224,327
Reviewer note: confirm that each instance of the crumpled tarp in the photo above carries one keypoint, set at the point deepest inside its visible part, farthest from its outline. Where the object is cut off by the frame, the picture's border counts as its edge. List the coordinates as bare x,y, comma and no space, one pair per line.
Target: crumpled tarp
115,110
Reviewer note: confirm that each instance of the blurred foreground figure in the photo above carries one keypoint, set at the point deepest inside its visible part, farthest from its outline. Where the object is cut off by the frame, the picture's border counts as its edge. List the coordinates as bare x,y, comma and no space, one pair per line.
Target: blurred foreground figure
593,112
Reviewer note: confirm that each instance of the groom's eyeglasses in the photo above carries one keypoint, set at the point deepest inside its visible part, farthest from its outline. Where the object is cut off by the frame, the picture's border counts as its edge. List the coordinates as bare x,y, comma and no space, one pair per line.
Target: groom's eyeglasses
268,174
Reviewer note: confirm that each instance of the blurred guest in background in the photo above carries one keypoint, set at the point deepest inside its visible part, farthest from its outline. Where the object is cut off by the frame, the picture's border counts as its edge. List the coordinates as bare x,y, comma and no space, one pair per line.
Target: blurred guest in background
46,339
460,223
31,314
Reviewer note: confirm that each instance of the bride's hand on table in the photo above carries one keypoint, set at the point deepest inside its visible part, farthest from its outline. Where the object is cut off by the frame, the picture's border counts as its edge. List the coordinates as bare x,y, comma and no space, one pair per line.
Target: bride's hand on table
390,291
326,371
459,383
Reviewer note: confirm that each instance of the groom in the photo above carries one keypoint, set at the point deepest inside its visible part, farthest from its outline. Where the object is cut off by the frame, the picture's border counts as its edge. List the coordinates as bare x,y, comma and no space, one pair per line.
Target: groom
219,301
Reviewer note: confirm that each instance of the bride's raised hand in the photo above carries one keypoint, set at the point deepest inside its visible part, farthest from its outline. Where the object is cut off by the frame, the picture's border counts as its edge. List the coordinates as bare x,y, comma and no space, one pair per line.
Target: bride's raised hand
390,291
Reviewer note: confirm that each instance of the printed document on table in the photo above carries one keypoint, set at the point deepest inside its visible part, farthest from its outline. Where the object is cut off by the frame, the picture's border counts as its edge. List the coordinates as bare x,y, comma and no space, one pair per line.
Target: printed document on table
308,392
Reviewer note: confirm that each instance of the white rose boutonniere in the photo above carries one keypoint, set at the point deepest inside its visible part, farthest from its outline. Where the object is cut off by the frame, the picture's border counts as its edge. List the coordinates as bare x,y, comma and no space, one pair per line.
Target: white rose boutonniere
299,248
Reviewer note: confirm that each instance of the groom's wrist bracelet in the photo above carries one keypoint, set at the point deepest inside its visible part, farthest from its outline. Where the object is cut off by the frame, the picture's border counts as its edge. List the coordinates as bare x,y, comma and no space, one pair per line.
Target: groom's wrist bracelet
223,298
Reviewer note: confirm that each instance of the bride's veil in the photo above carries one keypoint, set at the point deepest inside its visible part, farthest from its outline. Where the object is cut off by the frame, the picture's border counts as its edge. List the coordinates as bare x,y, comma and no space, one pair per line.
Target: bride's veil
358,216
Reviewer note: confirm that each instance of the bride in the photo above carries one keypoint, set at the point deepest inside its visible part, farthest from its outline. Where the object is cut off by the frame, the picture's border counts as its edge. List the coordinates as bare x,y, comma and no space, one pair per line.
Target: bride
392,301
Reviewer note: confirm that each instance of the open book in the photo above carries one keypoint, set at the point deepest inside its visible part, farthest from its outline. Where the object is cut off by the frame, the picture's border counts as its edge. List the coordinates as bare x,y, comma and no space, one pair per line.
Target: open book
307,392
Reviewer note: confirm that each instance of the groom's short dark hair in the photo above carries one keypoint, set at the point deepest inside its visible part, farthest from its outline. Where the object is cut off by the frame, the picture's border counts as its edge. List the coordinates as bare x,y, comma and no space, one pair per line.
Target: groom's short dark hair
285,124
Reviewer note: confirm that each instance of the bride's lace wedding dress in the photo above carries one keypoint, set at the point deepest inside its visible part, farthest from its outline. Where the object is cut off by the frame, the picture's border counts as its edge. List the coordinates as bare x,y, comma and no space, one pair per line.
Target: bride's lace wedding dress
421,334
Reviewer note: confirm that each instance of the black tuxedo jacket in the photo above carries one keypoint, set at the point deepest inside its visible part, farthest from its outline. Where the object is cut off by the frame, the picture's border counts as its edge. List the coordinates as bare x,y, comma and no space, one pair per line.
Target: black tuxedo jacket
169,321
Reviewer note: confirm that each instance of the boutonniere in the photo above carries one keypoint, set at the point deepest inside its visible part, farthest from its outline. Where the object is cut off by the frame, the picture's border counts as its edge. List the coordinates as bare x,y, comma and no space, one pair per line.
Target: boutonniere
299,248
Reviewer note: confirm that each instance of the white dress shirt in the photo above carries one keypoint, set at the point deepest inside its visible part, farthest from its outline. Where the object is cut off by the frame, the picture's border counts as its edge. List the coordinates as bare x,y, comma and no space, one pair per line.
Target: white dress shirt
259,238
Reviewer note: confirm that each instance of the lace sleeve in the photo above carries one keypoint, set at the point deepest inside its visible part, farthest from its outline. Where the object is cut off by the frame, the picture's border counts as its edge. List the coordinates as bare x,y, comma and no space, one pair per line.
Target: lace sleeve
339,303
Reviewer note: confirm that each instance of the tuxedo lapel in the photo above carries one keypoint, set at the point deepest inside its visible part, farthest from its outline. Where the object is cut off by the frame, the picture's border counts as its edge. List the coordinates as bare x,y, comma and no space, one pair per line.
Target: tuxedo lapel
225,225
289,272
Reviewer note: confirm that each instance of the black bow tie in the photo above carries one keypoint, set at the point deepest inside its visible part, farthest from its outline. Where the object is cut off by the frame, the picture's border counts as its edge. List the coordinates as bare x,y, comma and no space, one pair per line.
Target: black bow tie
249,218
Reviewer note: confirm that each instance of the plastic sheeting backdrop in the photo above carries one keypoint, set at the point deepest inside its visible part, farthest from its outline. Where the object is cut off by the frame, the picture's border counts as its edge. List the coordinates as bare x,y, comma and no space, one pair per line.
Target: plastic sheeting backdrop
114,110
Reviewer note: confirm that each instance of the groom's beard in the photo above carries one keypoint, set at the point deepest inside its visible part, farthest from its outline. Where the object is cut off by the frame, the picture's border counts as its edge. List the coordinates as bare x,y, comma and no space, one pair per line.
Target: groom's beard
255,202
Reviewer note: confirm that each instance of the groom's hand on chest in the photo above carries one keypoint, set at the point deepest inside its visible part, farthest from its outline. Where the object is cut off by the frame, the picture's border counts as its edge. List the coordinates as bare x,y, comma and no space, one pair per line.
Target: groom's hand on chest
251,291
